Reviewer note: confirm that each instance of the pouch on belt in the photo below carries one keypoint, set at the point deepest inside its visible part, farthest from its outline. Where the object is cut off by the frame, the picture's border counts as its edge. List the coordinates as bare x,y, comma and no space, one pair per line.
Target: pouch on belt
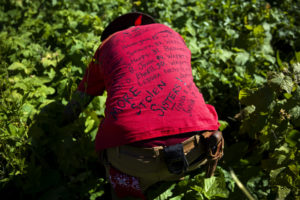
175,159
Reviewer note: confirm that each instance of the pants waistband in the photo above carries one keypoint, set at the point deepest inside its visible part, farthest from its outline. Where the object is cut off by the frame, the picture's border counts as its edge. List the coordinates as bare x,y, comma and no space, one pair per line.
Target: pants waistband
154,152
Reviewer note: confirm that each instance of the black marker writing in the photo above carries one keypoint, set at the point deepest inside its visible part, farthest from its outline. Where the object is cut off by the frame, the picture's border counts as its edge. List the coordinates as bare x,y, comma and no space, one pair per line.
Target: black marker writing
139,50
134,92
140,42
168,102
156,36
140,58
167,48
149,79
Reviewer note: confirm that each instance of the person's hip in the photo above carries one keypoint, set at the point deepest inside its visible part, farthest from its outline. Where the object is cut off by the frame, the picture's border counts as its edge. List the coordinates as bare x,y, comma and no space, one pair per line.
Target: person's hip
150,163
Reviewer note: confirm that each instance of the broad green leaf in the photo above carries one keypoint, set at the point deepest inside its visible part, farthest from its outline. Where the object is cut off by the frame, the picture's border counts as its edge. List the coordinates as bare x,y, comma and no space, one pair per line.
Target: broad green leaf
224,55
95,195
193,46
190,28
283,82
249,109
22,85
295,169
296,68
223,125
44,91
259,79
296,94
167,194
51,73
138,3
75,48
295,114
258,30
232,33
241,58
271,59
244,93
288,95
281,158
249,27
48,62
89,124
15,96
283,192
262,98
54,2
274,173
18,66
93,134
284,148
293,138
4,180
13,129
27,109
215,187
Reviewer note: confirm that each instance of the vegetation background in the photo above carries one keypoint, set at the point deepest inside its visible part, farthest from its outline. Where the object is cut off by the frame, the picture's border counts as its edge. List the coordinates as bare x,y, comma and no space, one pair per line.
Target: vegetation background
246,62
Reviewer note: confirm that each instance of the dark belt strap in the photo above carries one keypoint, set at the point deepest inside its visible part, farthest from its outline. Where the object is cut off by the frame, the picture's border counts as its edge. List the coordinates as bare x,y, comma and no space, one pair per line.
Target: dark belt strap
154,152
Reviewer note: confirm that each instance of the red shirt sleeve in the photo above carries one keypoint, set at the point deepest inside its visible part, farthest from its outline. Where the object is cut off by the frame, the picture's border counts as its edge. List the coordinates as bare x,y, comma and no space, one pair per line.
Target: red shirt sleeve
93,82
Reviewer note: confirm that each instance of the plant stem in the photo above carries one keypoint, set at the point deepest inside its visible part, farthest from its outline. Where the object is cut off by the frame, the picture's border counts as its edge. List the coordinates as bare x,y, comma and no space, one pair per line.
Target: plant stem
240,185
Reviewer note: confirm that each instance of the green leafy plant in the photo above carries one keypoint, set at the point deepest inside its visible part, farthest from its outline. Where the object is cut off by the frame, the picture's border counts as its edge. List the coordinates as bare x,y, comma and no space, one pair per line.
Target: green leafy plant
271,116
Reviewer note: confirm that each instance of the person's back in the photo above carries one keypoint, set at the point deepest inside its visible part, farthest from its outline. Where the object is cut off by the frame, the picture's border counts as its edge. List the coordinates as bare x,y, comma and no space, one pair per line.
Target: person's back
147,73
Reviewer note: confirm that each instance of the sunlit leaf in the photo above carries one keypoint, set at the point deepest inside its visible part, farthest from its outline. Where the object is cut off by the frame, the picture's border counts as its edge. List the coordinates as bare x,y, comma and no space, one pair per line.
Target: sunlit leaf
223,124
225,55
17,66
281,81
283,192
241,58
274,173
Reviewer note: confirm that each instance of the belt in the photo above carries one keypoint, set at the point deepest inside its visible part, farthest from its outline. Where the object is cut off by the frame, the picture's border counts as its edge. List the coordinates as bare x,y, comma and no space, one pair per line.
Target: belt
188,145
205,146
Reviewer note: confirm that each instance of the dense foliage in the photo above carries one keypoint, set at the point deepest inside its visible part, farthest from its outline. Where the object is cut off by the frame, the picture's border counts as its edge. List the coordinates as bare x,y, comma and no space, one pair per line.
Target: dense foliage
246,62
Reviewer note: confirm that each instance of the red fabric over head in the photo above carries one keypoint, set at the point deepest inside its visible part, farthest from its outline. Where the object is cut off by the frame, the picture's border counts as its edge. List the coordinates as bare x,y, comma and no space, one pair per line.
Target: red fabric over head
138,21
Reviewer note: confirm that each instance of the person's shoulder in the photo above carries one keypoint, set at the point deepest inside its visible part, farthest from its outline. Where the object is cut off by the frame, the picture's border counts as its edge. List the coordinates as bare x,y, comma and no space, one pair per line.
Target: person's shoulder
157,25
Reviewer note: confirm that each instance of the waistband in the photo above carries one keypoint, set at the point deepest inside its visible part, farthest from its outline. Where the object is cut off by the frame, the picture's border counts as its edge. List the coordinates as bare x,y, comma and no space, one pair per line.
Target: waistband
188,145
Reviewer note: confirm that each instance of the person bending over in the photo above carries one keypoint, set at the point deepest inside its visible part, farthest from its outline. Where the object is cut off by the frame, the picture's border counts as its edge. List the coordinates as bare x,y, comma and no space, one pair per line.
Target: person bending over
157,126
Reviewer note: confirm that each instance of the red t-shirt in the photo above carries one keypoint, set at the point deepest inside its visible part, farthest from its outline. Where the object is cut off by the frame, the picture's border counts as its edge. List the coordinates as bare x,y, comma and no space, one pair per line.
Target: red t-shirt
147,73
